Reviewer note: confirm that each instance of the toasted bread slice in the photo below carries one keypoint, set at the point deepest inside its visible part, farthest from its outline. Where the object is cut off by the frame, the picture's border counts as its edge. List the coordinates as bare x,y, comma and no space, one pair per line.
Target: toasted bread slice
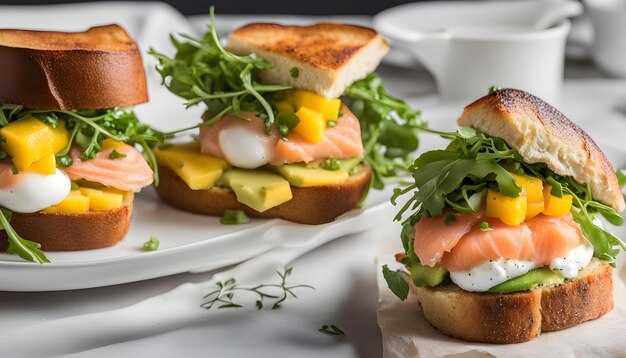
542,134
98,68
73,232
520,316
311,205
330,57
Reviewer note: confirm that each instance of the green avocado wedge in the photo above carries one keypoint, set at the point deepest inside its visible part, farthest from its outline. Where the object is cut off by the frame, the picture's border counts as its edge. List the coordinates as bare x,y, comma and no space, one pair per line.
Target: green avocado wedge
427,276
530,280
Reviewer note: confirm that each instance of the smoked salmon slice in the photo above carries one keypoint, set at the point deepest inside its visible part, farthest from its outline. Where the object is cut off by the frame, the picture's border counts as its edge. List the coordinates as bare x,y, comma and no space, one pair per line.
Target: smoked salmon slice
434,237
129,173
501,241
554,236
340,142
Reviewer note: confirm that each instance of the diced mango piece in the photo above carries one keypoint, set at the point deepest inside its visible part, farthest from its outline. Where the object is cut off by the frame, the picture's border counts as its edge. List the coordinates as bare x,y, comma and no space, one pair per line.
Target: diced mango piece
311,126
202,172
511,211
299,175
199,171
532,187
27,140
101,200
328,107
46,165
111,144
555,206
534,209
73,203
284,106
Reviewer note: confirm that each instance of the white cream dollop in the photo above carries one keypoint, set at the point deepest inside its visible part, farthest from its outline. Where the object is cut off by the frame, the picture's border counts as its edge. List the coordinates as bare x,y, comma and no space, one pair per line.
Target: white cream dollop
244,148
33,191
490,273
575,259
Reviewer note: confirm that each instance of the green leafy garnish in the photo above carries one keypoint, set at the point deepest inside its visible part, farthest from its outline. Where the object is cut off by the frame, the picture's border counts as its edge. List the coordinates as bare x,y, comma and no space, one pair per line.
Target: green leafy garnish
396,282
389,127
88,128
286,121
621,177
450,219
294,72
494,89
234,217
202,71
28,250
331,164
331,330
15,171
484,226
472,162
116,155
152,244
224,295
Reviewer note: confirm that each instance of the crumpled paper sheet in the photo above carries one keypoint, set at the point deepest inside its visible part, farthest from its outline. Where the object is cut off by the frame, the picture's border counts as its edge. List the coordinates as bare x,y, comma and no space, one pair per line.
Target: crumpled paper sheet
406,333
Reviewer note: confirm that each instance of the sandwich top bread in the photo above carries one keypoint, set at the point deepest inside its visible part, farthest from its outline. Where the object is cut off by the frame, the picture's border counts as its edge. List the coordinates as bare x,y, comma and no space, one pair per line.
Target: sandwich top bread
69,166
276,141
503,239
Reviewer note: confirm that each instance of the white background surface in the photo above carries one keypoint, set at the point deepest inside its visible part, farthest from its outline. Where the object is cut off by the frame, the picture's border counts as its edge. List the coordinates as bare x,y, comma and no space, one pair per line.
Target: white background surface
343,272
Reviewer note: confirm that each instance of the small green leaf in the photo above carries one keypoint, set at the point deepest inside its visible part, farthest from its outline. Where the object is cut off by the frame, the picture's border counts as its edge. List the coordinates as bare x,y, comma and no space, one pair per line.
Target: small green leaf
294,72
152,244
450,218
234,217
494,89
621,177
116,155
396,282
484,226
331,164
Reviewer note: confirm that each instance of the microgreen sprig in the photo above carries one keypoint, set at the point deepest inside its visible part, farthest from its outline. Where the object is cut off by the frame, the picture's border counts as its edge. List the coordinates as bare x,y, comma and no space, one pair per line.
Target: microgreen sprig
224,295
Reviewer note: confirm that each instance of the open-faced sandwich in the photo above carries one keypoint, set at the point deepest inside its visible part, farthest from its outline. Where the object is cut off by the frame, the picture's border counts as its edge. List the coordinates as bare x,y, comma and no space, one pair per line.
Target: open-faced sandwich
69,167
503,239
276,140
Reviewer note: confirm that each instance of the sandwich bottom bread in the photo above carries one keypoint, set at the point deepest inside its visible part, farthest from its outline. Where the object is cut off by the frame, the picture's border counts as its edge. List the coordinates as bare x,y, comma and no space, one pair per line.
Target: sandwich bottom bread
518,316
310,205
504,239
74,231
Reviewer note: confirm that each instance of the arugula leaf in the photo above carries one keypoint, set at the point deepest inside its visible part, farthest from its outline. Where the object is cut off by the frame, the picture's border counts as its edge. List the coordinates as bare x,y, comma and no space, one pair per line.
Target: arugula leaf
202,71
389,127
28,250
621,177
234,217
396,282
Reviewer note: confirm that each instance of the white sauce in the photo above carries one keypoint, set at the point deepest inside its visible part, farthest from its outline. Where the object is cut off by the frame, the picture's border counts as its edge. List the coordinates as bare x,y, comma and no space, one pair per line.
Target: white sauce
244,148
577,258
490,273
34,192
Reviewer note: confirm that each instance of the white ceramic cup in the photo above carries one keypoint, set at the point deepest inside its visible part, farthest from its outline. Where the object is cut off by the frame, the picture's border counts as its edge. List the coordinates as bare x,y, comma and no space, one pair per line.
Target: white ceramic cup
609,40
469,47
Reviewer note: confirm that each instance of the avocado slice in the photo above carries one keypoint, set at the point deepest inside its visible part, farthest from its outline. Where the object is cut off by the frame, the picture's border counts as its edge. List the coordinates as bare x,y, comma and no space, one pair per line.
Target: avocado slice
427,276
530,280
300,176
256,188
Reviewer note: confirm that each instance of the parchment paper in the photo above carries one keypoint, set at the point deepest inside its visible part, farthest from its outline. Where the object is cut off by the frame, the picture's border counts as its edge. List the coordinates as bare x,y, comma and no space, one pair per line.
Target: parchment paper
407,334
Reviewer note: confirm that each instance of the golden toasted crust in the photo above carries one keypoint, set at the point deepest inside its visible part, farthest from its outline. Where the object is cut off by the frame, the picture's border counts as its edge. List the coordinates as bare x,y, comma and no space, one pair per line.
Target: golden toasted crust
98,68
540,133
312,205
518,317
73,232
329,56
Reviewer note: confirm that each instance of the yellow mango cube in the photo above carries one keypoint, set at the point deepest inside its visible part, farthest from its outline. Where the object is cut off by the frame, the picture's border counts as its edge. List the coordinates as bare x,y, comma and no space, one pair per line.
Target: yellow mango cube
555,206
46,165
534,209
328,107
73,203
173,157
202,172
284,106
511,211
311,126
27,140
111,144
532,187
100,200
